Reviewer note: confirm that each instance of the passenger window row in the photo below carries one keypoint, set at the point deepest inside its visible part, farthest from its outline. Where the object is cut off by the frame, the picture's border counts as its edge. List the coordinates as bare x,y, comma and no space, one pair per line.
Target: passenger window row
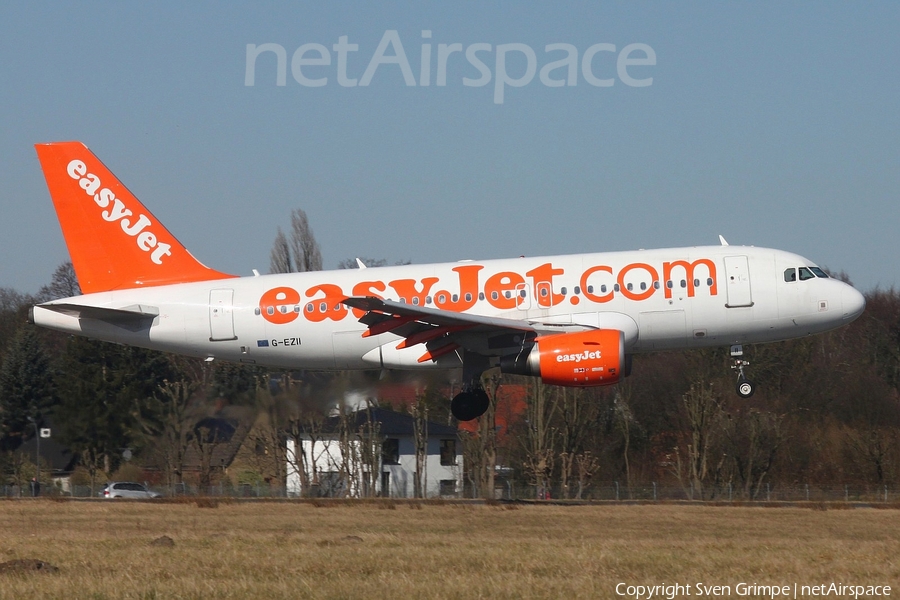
544,292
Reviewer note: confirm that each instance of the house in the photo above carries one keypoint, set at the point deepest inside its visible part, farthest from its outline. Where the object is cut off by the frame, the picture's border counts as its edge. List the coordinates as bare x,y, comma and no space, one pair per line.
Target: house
57,460
372,452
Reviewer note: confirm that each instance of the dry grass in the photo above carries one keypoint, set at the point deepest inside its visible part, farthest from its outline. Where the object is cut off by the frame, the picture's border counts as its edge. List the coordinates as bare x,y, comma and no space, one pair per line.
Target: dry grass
426,550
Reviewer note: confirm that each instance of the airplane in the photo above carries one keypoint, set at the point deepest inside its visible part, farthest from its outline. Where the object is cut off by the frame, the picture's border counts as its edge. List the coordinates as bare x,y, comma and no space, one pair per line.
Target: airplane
571,320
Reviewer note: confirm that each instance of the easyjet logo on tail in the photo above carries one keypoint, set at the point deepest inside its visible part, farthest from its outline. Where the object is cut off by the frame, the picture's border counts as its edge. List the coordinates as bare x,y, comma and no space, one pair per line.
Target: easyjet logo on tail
139,228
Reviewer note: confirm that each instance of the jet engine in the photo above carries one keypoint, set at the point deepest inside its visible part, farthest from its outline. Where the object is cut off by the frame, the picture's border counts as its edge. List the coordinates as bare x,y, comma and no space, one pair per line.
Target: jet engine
581,359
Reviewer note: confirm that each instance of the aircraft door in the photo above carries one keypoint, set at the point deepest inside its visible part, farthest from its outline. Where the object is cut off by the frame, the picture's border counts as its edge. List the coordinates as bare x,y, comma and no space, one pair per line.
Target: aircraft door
737,282
221,315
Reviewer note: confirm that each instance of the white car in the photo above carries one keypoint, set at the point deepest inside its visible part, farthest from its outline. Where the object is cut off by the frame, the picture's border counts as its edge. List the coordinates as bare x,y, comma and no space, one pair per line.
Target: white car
126,489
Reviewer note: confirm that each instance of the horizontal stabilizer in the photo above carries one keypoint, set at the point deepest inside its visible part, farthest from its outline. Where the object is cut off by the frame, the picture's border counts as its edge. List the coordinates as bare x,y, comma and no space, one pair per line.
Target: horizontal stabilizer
135,313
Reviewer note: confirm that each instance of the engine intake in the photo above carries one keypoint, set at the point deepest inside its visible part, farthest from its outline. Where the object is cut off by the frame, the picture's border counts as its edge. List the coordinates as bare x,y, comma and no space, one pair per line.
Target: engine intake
582,359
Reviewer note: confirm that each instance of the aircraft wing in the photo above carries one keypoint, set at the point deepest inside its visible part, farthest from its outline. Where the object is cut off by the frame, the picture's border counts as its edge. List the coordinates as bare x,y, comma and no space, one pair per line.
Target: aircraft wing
443,331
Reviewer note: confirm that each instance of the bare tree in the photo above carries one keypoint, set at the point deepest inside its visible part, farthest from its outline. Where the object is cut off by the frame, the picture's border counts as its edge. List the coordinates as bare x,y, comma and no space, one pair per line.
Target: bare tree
540,438
587,465
353,263
703,410
350,263
298,254
63,284
280,260
624,422
480,448
419,412
304,246
175,435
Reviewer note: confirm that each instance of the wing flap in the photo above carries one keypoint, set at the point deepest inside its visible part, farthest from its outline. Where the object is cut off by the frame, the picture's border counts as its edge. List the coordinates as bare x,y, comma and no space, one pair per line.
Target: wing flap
446,318
444,331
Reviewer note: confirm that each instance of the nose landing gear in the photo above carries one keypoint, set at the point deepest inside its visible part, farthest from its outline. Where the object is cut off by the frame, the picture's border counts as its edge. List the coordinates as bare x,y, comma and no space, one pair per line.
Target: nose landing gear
745,387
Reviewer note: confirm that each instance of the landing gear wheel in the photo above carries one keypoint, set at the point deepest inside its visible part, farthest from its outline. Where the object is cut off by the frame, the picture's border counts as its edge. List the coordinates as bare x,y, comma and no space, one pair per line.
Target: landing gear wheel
745,388
469,405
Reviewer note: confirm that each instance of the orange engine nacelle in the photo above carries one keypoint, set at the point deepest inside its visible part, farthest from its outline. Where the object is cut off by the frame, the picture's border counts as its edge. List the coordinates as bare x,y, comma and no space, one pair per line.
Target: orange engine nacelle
582,359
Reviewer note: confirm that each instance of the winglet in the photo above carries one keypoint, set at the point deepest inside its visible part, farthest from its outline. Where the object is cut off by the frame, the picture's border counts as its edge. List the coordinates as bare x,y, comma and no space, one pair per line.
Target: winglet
722,241
114,242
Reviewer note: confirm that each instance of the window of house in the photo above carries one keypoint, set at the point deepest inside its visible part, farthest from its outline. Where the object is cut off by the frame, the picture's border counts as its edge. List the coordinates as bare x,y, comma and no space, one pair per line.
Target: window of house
448,487
390,451
448,453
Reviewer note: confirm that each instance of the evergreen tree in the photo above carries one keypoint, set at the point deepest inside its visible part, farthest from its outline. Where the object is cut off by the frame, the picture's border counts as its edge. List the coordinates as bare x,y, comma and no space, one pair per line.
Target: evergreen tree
107,399
26,386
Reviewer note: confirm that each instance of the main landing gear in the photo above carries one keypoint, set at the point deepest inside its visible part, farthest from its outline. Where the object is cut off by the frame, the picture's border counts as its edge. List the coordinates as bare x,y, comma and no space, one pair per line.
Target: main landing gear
472,401
745,387
469,404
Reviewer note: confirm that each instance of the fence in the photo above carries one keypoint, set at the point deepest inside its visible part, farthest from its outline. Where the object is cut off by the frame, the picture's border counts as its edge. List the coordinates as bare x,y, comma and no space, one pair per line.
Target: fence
653,491
510,490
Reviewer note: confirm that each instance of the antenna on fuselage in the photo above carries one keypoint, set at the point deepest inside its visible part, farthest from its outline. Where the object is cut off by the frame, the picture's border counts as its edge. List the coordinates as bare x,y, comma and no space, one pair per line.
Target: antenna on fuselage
722,241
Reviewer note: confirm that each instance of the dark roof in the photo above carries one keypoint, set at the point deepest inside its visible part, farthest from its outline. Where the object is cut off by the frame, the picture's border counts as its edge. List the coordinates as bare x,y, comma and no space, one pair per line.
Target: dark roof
390,423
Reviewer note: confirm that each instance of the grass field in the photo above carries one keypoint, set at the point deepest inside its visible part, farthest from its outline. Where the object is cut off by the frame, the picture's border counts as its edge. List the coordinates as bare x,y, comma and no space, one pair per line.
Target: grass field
424,550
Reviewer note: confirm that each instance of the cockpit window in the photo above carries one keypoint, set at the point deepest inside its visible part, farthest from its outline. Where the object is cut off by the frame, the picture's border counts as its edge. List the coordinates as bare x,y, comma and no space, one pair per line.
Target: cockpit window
790,275
819,272
805,274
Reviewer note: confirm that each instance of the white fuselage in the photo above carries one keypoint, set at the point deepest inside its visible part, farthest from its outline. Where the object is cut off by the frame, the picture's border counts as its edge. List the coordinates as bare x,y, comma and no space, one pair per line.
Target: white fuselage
660,299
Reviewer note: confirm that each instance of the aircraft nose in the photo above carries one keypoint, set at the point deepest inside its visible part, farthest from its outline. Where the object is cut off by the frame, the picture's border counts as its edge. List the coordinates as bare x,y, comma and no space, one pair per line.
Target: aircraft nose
852,302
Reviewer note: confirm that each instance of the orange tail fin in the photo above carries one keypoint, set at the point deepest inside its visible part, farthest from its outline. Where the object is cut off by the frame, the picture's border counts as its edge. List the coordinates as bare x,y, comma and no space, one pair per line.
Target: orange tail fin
114,242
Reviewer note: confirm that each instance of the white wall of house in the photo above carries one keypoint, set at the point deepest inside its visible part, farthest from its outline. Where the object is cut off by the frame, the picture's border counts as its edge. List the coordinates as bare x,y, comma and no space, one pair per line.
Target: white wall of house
440,479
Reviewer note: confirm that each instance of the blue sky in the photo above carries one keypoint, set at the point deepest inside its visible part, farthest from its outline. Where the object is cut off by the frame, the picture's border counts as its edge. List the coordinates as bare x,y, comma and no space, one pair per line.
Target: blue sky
772,124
